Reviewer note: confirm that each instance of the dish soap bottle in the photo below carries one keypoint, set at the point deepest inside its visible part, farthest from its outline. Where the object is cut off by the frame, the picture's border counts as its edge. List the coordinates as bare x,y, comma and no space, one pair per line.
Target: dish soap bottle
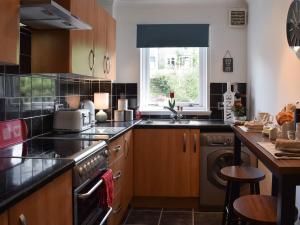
228,103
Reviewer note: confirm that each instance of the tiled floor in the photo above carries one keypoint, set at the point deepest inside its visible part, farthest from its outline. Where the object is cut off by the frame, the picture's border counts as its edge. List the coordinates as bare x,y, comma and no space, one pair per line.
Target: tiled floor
171,217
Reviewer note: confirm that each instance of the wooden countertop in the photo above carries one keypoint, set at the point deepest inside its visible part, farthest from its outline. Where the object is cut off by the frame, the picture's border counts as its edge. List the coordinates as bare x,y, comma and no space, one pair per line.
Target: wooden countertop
277,166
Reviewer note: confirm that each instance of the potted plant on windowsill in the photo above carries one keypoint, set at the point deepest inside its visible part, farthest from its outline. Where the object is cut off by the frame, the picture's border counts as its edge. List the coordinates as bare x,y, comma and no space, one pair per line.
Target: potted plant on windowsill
172,101
239,112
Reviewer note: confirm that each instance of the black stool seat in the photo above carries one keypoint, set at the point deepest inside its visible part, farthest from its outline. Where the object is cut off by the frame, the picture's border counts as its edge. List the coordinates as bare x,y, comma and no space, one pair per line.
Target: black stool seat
257,209
242,174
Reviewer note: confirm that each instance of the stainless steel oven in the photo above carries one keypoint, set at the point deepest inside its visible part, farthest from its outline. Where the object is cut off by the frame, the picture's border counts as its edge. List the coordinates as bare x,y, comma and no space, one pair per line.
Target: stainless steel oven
87,190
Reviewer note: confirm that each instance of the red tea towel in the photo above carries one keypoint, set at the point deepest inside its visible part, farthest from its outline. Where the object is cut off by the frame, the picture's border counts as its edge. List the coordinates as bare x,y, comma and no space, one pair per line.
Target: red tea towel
107,190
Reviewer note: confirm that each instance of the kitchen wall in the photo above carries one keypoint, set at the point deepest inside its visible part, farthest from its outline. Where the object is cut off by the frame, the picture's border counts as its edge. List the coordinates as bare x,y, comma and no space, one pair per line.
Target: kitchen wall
222,38
273,69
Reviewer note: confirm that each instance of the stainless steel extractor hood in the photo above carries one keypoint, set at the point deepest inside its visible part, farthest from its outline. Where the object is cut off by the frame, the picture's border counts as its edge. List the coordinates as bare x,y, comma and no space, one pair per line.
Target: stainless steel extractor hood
47,14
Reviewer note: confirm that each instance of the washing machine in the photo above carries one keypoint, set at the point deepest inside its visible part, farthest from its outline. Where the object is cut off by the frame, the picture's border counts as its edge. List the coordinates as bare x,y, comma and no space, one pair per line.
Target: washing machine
217,151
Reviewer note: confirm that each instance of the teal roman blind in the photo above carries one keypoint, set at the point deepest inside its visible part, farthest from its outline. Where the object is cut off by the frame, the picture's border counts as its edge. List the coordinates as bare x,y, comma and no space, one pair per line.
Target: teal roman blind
172,35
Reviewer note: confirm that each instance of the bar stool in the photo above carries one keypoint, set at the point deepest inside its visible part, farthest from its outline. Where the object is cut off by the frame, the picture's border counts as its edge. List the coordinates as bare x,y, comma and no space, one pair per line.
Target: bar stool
238,175
256,209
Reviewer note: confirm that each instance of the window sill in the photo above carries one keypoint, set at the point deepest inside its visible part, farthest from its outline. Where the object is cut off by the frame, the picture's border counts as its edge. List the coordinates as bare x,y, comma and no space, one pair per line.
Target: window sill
198,112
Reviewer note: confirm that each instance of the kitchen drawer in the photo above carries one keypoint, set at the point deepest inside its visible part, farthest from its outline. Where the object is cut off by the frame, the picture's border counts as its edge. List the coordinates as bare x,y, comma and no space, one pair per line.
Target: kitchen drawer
4,218
118,211
116,150
118,173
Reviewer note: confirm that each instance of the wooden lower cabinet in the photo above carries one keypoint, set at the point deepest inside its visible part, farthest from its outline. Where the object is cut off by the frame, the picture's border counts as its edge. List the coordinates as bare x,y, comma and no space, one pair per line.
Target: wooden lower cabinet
121,163
50,205
166,163
4,218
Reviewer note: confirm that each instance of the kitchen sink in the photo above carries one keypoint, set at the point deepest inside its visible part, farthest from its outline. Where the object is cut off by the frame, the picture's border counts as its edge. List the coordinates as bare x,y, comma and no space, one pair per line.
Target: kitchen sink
169,122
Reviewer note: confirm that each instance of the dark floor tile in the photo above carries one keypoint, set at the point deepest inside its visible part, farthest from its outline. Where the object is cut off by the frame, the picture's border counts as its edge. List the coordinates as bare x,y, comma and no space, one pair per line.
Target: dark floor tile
178,210
208,218
176,218
147,209
143,217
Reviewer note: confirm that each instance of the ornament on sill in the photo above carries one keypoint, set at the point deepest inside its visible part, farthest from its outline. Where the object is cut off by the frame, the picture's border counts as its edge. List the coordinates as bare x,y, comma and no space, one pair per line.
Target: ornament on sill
172,101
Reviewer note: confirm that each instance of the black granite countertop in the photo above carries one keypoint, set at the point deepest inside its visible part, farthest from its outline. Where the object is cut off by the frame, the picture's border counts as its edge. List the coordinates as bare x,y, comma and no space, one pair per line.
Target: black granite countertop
20,177
203,125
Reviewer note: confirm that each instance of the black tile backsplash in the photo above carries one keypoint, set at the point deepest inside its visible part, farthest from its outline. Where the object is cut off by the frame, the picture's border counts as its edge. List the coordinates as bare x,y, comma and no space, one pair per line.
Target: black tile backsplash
216,98
32,96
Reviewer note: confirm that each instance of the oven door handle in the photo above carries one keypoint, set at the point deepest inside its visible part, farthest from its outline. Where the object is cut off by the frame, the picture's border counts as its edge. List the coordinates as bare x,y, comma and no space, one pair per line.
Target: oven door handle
106,216
88,194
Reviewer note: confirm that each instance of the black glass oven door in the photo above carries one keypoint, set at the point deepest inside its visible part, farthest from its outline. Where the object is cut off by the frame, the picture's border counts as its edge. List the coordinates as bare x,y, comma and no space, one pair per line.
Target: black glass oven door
87,209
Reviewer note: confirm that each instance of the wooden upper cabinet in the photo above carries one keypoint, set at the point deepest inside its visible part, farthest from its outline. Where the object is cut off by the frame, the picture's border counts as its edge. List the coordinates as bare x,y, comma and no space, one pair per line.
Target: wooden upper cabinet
83,52
4,218
48,206
82,41
105,46
100,27
111,48
165,163
9,31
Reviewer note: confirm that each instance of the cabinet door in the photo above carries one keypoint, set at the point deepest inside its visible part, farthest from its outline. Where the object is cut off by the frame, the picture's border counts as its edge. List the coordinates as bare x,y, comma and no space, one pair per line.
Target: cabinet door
4,218
111,48
9,31
162,163
100,34
128,184
82,46
48,206
195,162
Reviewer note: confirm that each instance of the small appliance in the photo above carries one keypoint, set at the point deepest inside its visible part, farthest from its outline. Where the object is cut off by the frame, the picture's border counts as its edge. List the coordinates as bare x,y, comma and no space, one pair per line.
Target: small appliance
72,120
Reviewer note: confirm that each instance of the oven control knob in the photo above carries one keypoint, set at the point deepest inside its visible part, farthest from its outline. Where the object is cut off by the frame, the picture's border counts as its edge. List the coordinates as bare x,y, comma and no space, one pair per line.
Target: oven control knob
106,154
80,171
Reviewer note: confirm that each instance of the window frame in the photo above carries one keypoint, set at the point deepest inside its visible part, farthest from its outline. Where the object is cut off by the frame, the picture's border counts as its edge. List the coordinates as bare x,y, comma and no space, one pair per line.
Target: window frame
201,106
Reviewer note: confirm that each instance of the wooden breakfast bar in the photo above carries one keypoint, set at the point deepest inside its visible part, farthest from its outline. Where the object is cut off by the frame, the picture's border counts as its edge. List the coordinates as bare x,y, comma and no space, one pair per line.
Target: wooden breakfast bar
286,173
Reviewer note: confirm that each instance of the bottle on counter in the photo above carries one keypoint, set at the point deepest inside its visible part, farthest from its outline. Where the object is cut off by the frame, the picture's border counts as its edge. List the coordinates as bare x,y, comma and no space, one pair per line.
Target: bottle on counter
228,103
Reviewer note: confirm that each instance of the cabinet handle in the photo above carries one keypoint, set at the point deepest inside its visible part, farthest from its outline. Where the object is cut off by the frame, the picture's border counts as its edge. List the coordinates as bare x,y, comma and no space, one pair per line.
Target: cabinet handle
184,142
115,211
22,219
90,55
195,143
117,148
104,64
108,64
93,59
119,174
127,148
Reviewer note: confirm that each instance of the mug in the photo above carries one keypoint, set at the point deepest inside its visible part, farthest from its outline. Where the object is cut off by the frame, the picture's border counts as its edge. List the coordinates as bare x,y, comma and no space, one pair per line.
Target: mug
265,117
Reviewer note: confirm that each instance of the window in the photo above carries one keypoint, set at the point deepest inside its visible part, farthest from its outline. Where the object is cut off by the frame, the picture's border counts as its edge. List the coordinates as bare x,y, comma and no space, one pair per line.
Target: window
182,70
